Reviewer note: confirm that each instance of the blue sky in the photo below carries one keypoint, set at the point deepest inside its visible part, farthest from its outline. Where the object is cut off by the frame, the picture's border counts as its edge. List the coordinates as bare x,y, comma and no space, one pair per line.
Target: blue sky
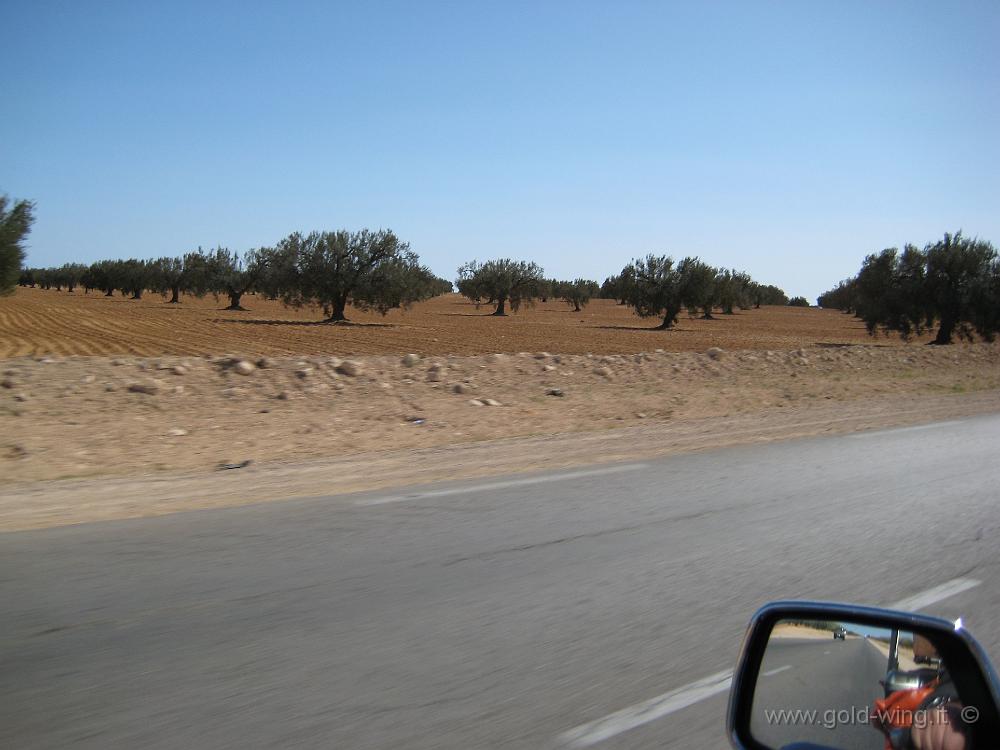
786,138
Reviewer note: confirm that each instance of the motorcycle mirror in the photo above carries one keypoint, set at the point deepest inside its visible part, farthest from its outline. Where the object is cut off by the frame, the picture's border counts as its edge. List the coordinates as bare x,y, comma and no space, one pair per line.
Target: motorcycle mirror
825,676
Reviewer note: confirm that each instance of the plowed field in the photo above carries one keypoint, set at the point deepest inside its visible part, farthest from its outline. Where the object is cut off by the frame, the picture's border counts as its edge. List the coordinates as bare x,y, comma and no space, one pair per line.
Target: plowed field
46,322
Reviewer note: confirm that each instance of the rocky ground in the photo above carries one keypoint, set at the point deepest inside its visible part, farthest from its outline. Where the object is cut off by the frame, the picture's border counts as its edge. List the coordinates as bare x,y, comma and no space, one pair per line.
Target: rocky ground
81,418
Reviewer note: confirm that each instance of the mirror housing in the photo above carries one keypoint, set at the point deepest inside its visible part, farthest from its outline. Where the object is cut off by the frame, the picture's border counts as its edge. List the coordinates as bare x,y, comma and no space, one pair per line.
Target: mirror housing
970,668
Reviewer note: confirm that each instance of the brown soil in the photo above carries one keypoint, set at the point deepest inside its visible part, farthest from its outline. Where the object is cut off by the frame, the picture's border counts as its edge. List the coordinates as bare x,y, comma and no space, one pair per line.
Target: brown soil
310,430
36,322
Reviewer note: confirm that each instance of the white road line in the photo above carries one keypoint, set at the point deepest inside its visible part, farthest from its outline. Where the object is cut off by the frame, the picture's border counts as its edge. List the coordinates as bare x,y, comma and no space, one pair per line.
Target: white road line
779,670
936,594
636,715
586,735
501,485
897,430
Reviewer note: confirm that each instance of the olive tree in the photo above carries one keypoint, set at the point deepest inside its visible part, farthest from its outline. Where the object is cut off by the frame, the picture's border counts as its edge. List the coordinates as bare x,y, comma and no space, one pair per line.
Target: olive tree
577,293
499,282
951,283
234,275
188,273
15,223
373,270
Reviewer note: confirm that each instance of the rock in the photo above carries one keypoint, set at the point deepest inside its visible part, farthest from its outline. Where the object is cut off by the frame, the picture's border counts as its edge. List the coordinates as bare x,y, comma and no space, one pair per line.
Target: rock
460,388
22,397
177,432
542,355
179,370
303,372
282,396
409,360
178,390
640,415
88,379
548,368
118,362
714,353
244,367
496,358
490,402
555,392
604,372
150,389
7,383
475,402
110,387
265,363
350,368
434,373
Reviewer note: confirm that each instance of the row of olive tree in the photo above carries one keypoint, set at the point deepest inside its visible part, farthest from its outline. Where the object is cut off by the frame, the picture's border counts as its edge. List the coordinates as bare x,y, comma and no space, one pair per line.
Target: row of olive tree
952,284
728,289
654,286
328,270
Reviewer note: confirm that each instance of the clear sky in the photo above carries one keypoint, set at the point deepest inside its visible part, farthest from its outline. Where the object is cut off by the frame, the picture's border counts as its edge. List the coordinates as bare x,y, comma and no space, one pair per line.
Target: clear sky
786,138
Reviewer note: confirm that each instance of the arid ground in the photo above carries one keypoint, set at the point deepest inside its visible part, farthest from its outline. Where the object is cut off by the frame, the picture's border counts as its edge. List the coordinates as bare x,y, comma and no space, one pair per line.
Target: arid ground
114,408
36,322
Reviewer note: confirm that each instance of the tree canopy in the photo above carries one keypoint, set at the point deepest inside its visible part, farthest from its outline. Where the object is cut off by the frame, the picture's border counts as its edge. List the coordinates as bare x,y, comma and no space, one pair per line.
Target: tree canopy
15,223
501,281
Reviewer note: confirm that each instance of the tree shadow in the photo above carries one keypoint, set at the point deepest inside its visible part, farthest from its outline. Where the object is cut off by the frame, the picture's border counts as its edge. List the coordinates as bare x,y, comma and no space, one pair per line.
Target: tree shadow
327,323
633,328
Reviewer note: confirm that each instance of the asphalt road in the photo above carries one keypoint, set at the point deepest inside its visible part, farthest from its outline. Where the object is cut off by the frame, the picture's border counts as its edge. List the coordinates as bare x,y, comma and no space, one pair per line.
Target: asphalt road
592,608
827,689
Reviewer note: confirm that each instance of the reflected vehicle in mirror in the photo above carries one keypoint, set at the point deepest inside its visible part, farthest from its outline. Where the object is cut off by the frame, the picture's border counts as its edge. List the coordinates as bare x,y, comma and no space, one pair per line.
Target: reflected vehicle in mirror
891,680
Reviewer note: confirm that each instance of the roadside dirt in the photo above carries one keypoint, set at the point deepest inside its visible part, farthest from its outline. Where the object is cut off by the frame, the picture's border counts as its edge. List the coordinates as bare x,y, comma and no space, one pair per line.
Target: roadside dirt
95,438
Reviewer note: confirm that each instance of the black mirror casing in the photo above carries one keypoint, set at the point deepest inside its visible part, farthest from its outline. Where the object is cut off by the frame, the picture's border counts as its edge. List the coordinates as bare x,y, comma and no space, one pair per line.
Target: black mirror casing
971,670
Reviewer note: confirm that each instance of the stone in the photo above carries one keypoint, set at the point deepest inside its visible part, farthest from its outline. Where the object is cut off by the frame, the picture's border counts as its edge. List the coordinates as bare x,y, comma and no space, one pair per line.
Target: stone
244,367
475,402
604,372
22,397
555,392
179,370
88,379
282,396
548,368
177,432
460,388
409,360
490,402
149,389
265,363
7,383
542,355
714,353
350,368
434,373
110,387
303,372
178,390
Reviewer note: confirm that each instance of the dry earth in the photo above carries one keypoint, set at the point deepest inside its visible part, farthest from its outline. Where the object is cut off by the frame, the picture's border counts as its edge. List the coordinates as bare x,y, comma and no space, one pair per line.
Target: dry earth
88,438
35,322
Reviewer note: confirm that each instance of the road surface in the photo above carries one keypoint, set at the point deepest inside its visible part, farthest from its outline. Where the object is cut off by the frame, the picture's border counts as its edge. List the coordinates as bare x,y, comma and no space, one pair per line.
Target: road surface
598,607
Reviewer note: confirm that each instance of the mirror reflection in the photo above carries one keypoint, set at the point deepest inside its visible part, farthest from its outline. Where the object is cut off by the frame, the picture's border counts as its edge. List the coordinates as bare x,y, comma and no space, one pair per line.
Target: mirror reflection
835,684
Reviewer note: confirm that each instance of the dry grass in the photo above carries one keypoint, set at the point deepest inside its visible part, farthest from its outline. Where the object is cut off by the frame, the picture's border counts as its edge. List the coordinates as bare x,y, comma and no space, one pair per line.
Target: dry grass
34,322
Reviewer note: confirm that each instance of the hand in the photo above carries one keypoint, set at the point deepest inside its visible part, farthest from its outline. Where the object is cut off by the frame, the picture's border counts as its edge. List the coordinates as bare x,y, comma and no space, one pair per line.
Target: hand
932,730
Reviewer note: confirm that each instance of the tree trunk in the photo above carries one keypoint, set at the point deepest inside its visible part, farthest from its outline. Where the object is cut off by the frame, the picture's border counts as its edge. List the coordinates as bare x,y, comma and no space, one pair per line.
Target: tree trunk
175,298
668,320
944,331
109,292
708,314
577,308
137,294
501,306
234,300
337,316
